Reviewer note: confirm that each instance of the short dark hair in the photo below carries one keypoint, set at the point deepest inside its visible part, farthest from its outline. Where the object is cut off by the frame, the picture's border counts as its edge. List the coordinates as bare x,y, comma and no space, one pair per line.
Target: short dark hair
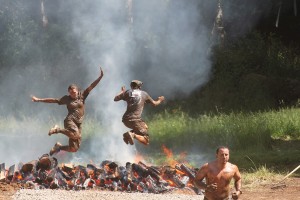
221,147
72,86
134,85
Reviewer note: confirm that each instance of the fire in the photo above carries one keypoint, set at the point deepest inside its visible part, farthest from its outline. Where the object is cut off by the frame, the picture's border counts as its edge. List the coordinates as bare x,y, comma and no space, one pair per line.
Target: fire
167,151
171,183
17,177
180,172
170,159
139,176
138,157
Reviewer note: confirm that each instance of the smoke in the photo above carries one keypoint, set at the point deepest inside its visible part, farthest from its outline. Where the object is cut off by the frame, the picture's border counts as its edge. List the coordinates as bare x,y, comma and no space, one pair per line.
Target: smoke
164,44
248,14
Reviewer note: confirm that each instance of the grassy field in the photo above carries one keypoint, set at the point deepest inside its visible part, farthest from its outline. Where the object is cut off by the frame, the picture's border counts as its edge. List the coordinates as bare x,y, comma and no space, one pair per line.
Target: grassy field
269,139
238,130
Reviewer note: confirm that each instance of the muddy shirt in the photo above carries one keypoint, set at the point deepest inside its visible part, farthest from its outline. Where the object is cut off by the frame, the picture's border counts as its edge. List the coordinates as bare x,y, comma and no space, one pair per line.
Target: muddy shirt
136,100
75,106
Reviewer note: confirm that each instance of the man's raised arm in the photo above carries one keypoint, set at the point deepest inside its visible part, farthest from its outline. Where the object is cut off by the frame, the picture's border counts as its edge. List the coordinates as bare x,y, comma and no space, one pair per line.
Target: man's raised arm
95,83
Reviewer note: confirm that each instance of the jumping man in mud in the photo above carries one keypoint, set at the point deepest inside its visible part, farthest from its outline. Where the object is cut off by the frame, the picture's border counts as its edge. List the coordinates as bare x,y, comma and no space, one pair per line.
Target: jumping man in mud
136,99
218,175
75,103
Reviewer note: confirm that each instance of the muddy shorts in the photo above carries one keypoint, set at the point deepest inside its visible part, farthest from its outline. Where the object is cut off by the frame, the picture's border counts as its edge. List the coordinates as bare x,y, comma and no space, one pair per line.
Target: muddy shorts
74,133
138,126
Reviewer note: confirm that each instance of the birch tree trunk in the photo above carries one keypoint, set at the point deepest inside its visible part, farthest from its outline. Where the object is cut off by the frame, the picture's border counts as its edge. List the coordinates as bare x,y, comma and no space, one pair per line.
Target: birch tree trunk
218,32
44,17
129,13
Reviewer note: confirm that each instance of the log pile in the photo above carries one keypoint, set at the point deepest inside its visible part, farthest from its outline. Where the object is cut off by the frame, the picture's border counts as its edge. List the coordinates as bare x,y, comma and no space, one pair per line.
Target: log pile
47,173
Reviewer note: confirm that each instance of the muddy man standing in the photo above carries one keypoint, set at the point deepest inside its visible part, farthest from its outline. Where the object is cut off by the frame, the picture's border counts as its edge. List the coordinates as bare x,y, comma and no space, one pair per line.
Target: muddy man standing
218,175
75,103
136,99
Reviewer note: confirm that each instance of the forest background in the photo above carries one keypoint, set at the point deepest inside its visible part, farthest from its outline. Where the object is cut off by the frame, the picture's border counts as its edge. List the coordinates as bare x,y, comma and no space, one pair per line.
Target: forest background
230,75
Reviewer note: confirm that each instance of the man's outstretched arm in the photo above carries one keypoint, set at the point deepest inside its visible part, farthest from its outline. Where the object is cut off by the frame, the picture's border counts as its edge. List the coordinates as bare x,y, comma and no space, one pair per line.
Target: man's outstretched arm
158,101
118,97
44,100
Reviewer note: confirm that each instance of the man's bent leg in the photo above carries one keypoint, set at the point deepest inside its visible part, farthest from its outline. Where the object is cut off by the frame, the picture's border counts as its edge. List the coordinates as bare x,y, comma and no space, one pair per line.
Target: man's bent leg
141,132
128,137
73,146
57,147
53,130
125,138
142,138
68,132
71,129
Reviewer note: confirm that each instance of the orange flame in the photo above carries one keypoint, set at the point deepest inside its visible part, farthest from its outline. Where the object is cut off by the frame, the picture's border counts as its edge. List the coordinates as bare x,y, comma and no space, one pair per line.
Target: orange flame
138,157
170,160
171,183
167,151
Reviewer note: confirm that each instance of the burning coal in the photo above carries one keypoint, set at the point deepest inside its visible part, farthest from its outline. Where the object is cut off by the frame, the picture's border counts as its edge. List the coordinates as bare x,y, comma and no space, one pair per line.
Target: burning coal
47,173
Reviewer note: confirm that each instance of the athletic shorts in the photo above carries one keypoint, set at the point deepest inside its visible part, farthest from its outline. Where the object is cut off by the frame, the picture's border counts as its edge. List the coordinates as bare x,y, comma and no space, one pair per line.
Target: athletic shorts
74,134
138,126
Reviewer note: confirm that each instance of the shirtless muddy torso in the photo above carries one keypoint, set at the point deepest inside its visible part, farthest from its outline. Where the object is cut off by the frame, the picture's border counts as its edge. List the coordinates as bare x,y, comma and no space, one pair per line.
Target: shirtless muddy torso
218,175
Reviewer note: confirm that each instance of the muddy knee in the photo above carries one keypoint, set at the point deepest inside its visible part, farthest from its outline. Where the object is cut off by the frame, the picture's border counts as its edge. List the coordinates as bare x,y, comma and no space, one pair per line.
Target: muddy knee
73,149
147,139
74,145
144,139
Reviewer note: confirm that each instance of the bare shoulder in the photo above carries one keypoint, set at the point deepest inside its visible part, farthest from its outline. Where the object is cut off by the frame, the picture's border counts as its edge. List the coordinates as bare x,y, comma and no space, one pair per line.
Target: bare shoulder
205,166
208,167
202,172
233,167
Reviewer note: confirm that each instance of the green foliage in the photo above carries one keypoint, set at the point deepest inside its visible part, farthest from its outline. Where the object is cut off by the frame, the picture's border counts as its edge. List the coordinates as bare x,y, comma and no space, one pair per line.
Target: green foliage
256,53
280,159
24,126
255,139
237,130
92,127
257,72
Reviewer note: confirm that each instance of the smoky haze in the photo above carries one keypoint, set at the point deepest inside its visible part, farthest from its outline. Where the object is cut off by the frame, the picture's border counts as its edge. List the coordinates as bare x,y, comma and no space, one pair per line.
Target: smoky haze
162,43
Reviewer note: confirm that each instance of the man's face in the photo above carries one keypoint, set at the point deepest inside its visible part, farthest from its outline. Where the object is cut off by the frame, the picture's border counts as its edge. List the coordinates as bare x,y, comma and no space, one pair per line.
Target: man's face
73,92
223,155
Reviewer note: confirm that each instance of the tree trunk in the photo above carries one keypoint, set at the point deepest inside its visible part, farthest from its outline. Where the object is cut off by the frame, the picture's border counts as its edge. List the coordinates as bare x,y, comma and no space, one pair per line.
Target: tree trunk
44,17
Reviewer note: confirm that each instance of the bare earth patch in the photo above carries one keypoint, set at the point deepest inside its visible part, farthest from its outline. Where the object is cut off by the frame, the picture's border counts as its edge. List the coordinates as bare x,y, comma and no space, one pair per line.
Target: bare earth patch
290,189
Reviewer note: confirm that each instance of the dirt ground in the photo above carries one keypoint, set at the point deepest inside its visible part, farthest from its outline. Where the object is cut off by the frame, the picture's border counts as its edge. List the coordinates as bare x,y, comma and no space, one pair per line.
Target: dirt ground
289,189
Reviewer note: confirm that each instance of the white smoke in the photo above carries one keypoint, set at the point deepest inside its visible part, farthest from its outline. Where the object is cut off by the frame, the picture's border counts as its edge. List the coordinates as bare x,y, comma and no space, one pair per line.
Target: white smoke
162,48
165,46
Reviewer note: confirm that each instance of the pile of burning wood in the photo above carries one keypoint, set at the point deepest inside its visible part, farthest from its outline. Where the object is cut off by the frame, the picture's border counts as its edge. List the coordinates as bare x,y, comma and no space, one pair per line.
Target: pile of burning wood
45,173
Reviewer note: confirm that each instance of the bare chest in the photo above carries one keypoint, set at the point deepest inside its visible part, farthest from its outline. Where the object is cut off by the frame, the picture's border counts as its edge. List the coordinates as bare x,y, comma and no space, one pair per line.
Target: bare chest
222,177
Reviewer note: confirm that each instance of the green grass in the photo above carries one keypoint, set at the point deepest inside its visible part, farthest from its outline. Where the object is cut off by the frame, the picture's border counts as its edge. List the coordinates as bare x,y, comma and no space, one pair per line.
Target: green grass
32,125
237,130
270,138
